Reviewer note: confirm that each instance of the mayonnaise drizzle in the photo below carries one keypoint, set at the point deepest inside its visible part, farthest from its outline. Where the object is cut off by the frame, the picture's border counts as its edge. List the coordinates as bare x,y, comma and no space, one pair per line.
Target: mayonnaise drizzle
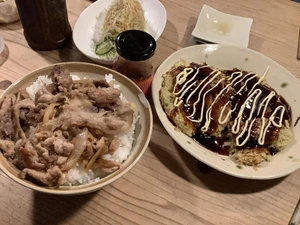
242,133
228,114
187,81
203,100
237,122
260,79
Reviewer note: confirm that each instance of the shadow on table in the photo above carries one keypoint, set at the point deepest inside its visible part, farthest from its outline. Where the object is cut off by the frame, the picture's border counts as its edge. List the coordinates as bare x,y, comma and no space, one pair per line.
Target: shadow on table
4,55
196,172
17,25
167,41
66,53
54,209
70,53
188,32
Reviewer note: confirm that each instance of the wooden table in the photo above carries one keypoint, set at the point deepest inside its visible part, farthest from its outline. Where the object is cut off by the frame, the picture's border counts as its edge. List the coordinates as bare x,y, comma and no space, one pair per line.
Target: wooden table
166,186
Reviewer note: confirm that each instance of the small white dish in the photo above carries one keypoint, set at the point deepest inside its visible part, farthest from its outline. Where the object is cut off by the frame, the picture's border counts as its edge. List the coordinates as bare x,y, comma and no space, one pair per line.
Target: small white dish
83,32
215,26
228,57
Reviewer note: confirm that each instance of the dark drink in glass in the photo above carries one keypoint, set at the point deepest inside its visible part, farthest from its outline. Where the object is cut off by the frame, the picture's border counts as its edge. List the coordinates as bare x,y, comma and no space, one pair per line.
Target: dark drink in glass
45,23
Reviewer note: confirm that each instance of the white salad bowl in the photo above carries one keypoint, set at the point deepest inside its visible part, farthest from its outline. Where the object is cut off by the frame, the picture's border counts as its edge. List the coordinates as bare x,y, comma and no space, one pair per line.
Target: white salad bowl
143,128
155,15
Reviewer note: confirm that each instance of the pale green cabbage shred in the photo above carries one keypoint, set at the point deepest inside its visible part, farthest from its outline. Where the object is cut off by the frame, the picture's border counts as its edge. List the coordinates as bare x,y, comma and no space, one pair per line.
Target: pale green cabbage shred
121,16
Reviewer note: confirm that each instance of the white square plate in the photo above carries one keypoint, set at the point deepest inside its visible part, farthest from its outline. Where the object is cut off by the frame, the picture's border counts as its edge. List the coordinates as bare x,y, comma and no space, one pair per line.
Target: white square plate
222,28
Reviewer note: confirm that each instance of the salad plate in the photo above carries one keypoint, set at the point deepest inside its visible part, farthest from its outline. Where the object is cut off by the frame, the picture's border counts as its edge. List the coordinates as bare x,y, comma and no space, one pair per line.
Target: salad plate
84,29
229,57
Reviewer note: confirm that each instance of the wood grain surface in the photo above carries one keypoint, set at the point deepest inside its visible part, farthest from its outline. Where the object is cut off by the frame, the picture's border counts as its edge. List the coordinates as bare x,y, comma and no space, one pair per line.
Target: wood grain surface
167,186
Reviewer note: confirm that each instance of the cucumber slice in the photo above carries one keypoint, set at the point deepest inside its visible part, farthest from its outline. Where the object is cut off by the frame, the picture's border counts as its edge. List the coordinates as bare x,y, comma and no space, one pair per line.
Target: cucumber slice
104,47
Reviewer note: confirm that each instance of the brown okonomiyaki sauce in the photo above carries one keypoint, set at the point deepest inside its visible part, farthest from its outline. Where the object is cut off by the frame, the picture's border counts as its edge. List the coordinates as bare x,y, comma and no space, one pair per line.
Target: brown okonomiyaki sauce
265,103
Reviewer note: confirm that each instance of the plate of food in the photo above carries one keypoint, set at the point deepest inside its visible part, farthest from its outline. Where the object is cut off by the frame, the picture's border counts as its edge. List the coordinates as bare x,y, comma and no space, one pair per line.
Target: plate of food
72,128
232,108
98,25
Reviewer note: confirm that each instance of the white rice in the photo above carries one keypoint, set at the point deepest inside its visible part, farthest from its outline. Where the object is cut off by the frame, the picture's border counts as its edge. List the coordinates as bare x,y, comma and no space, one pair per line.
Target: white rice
78,175
33,88
97,29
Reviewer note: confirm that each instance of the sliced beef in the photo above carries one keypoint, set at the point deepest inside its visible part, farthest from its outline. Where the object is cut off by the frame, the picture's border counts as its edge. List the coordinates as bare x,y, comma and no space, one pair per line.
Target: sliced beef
48,98
52,177
114,145
111,123
8,148
19,144
51,88
105,124
101,83
88,152
77,94
7,102
79,84
24,93
23,113
102,96
126,113
35,115
61,160
23,104
42,135
104,163
45,98
42,91
61,79
44,152
60,145
7,129
82,104
27,157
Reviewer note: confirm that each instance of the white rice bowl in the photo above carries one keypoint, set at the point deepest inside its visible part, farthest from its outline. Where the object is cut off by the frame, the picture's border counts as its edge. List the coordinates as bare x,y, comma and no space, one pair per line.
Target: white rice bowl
78,175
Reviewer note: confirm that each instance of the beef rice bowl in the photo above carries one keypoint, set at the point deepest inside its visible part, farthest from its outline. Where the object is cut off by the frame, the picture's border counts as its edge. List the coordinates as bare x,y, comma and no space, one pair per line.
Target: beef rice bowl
61,131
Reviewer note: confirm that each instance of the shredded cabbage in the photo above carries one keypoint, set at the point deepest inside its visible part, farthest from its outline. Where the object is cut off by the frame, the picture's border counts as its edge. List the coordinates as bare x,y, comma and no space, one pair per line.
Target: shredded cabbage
122,15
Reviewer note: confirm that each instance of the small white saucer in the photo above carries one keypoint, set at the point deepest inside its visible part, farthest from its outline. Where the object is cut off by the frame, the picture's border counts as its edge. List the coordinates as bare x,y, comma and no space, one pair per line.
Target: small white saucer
222,28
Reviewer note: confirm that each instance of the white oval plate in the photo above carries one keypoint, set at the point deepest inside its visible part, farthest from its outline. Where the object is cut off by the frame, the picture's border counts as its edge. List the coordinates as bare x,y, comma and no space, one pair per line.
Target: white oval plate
228,57
83,32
